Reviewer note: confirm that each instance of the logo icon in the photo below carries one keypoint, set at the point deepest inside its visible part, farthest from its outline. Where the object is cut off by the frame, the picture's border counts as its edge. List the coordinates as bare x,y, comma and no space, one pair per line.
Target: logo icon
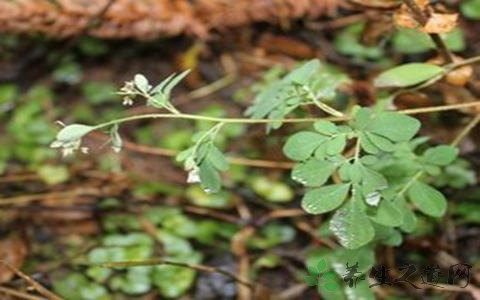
320,278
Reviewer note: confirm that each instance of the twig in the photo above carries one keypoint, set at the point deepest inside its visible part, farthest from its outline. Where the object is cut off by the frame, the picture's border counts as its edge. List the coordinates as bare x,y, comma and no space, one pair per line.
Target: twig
212,214
63,195
213,87
37,286
18,294
197,267
19,177
239,250
422,19
474,122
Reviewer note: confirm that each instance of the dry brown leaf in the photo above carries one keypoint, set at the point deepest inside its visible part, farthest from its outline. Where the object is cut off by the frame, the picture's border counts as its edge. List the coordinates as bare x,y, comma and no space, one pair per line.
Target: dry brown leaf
422,3
435,22
13,251
386,4
441,23
459,76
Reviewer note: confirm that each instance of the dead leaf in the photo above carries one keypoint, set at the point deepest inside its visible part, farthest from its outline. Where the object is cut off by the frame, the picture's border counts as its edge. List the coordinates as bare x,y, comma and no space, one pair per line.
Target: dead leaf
441,23
385,4
459,76
435,22
13,251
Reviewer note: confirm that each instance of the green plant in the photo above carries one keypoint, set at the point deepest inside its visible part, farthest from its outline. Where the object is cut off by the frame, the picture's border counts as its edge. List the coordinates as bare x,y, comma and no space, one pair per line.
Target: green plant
370,174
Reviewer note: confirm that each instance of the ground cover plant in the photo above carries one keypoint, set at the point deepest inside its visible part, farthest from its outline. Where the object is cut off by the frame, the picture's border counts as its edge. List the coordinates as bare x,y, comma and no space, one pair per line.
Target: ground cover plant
328,173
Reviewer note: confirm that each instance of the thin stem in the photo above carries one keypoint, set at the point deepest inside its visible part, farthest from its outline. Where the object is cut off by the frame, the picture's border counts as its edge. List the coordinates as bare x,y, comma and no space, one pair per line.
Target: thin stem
35,285
198,267
458,64
8,291
357,150
409,183
325,107
474,122
267,121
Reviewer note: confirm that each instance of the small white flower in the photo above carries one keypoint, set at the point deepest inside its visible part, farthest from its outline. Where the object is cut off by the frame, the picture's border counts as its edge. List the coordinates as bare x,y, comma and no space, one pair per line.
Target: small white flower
84,150
67,151
68,147
116,148
128,88
193,176
127,101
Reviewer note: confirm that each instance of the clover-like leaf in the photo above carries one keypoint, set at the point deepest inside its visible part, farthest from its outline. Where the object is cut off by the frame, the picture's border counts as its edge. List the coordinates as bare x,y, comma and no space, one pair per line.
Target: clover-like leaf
209,177
313,172
380,142
409,220
325,199
301,145
394,126
351,226
336,145
441,155
217,159
427,199
325,127
388,214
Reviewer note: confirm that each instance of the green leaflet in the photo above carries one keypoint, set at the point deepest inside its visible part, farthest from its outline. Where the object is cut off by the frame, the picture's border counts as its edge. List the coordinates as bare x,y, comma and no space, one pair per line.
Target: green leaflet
379,142
325,199
217,159
336,144
427,199
325,127
352,226
409,222
388,214
441,155
394,126
301,145
204,161
313,172
408,75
